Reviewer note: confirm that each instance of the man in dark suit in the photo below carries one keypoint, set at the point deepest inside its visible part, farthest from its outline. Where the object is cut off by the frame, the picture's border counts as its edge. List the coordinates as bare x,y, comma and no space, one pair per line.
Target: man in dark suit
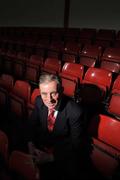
65,136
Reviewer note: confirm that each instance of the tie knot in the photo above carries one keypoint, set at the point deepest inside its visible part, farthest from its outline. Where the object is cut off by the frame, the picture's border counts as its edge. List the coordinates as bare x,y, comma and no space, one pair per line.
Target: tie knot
51,111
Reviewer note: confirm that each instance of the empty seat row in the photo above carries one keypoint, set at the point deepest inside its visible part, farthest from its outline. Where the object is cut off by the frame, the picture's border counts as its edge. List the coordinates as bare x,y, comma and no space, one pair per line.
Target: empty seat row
89,56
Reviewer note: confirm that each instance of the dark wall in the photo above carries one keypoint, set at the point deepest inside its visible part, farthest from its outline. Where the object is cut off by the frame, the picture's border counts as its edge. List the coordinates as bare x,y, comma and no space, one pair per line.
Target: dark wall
96,14
50,13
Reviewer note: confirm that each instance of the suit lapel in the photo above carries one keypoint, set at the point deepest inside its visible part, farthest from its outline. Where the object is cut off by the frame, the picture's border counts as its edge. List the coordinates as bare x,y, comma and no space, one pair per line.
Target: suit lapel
43,116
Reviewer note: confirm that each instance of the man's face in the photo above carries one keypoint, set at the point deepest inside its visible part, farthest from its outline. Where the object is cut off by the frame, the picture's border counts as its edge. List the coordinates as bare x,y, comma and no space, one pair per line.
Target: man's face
49,94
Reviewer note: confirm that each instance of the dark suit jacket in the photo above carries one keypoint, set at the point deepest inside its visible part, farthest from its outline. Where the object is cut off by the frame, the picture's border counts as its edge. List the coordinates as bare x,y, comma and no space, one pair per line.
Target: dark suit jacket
66,136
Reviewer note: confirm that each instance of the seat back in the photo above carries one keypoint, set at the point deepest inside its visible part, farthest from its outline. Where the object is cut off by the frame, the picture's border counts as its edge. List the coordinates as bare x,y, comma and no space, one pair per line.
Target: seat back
111,54
19,97
99,77
32,73
114,105
4,145
22,89
69,87
35,93
110,66
36,60
116,85
67,57
111,59
73,47
106,129
87,61
7,81
73,70
52,65
106,145
6,85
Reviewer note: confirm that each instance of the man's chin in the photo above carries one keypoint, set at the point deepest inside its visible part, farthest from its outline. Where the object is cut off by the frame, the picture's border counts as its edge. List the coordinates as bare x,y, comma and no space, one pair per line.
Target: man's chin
51,106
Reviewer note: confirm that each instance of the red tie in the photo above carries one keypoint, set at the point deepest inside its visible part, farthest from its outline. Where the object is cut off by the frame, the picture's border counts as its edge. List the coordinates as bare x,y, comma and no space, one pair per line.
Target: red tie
51,120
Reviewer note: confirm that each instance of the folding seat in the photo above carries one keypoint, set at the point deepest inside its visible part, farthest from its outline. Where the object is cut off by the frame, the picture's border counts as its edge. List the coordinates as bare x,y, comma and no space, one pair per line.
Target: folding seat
114,67
86,36
57,45
69,87
56,35
103,43
72,71
30,105
3,48
87,33
22,165
116,43
4,152
96,80
66,57
43,42
105,154
6,85
73,47
32,74
53,54
7,81
52,65
39,52
113,107
19,65
111,59
37,60
33,68
8,65
106,34
55,49
29,48
71,34
116,85
4,156
90,55
19,97
11,54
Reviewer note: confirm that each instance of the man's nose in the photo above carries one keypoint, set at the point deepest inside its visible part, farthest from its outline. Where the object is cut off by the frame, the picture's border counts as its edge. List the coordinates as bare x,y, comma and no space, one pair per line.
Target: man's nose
49,97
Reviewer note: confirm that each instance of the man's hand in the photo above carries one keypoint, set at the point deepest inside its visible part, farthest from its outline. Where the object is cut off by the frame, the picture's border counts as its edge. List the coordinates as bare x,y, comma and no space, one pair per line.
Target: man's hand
39,156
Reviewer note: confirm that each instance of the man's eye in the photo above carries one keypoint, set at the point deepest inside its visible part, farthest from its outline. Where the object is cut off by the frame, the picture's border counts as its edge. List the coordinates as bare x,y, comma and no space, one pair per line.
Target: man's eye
54,93
44,94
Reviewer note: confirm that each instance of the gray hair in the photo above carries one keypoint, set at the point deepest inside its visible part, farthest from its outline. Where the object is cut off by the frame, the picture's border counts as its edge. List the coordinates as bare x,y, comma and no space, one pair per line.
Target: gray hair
47,77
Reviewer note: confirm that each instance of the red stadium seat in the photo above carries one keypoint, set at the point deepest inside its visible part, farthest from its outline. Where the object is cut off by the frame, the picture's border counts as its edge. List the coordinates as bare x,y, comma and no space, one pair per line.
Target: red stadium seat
19,97
73,71
30,105
72,47
114,106
116,85
111,59
52,65
90,55
105,155
69,87
6,85
110,66
100,78
66,57
4,152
